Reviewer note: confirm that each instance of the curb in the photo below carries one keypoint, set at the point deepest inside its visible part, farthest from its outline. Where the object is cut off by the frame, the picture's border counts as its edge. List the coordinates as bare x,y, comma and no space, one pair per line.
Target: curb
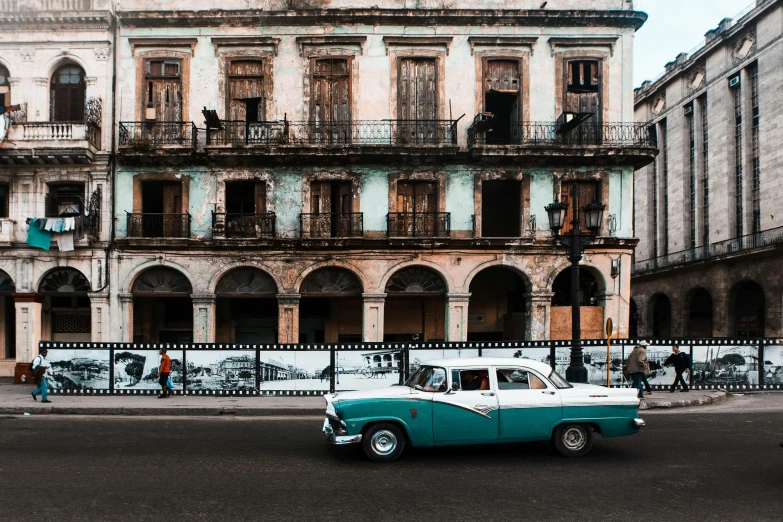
169,412
712,398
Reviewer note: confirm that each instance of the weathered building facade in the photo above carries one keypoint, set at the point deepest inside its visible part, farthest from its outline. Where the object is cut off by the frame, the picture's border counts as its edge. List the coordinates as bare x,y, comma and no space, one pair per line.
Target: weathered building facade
56,66
301,171
706,212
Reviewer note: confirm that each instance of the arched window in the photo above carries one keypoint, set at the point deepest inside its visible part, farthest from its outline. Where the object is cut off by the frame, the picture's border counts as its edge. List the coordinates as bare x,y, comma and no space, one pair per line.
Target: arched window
68,94
5,87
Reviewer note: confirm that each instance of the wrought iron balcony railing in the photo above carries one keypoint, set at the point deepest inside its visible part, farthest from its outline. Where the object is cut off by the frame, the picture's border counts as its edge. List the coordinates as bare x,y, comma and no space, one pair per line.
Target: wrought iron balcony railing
324,225
247,226
151,134
158,225
546,134
336,133
740,244
418,224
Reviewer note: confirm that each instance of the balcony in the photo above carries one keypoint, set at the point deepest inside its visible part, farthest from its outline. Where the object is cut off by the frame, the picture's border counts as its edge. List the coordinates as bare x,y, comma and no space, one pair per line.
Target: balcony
149,225
149,139
737,246
418,224
51,143
331,225
358,139
243,226
632,144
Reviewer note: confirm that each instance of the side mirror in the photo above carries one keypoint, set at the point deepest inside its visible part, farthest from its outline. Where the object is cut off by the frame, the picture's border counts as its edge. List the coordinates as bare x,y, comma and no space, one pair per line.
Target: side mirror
451,392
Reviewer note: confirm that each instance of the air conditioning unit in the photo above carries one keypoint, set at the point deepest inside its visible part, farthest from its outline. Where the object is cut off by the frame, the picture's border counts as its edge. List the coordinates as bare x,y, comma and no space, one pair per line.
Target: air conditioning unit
688,109
734,82
150,113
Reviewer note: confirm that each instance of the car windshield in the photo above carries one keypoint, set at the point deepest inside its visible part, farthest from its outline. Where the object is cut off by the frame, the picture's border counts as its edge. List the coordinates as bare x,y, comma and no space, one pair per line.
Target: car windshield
558,381
428,378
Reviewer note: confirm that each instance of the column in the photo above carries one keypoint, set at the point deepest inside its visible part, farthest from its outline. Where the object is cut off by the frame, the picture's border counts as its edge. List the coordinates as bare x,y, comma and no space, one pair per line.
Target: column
288,318
99,316
457,317
538,306
28,332
612,309
372,317
203,318
126,318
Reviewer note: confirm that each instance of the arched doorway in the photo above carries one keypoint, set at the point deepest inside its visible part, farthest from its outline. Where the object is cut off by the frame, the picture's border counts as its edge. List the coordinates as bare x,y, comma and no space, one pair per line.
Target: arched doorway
162,307
68,94
246,307
331,307
7,316
415,306
746,309
660,316
65,306
497,306
699,313
591,316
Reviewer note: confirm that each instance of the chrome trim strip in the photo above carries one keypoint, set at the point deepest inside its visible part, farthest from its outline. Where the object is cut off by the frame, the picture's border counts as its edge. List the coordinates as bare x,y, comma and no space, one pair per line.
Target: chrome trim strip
480,409
339,440
639,423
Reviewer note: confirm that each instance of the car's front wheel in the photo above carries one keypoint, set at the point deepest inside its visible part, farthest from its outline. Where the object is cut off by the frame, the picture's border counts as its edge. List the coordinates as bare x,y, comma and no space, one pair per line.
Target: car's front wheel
383,442
573,440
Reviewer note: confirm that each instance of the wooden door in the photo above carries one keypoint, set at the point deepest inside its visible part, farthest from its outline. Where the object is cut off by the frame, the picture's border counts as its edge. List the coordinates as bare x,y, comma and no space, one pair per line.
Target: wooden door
163,91
502,88
331,100
583,88
588,193
320,221
417,100
417,201
67,94
174,223
246,98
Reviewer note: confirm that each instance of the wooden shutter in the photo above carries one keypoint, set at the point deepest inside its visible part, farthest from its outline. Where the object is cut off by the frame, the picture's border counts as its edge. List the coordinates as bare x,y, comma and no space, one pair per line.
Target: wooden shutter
587,194
164,90
502,76
260,189
320,197
583,88
417,93
246,80
346,198
405,196
172,204
425,197
331,91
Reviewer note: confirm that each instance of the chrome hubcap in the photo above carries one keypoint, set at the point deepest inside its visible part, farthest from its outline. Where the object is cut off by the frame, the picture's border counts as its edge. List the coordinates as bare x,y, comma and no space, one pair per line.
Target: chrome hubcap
574,438
383,442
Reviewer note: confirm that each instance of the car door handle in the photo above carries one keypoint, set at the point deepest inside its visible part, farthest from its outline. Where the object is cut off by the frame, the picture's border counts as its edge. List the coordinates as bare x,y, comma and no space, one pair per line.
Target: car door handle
488,394
548,392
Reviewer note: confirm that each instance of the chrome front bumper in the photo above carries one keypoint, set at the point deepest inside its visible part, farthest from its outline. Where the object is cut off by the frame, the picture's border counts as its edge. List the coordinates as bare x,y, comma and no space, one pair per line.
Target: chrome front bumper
638,423
338,439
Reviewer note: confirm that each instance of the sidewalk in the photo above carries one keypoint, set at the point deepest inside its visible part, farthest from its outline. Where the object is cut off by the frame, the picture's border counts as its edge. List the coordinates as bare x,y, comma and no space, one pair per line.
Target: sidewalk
16,400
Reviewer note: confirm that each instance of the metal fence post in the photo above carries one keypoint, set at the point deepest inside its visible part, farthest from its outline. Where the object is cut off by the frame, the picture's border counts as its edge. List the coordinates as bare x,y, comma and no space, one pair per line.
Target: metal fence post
552,355
332,361
184,369
762,347
111,371
258,368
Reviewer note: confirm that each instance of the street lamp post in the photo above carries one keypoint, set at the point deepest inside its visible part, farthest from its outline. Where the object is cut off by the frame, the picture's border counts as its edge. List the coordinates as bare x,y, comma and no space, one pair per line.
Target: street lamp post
575,240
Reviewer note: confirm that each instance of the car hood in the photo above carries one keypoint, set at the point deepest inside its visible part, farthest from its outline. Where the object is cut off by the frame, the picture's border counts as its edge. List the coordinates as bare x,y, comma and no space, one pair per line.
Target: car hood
389,392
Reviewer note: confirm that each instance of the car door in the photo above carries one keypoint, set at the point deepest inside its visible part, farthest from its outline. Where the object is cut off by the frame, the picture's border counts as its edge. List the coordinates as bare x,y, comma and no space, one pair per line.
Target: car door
468,412
529,404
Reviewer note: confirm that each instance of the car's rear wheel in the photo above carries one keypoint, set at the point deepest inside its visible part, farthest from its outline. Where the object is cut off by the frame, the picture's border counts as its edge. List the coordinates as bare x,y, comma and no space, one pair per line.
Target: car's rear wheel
383,442
573,440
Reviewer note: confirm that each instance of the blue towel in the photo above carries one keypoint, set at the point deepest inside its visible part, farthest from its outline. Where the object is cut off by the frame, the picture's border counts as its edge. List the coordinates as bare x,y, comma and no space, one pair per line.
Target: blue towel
38,238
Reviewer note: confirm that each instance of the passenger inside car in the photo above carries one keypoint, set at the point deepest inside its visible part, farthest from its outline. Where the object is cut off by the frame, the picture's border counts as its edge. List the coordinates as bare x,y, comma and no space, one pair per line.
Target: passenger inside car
472,380
516,379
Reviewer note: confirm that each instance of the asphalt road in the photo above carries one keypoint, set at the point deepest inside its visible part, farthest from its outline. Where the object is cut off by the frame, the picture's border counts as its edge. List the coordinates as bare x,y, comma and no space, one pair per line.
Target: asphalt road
721,465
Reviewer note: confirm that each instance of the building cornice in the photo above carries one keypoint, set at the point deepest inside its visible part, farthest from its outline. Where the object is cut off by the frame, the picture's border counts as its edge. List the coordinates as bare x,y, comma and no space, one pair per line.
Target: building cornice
51,21
377,16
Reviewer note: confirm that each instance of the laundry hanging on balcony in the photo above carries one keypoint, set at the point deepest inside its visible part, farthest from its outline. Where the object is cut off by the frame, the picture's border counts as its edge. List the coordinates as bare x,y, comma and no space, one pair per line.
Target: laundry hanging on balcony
37,236
65,231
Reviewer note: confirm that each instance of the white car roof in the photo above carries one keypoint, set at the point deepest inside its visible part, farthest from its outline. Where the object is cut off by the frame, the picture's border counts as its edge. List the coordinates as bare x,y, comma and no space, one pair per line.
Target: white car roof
469,362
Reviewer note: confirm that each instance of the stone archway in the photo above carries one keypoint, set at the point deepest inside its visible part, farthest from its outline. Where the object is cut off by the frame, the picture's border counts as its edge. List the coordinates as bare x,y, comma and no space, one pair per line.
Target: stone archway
331,307
591,314
415,306
65,308
162,306
699,313
660,310
246,307
496,310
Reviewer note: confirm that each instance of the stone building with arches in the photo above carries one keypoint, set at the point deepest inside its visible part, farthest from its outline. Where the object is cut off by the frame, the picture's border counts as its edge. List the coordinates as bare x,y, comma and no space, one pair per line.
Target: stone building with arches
706,211
56,75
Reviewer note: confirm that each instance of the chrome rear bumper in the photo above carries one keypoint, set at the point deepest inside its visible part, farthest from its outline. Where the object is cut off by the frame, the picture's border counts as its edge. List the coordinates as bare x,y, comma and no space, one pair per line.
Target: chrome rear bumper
337,439
638,423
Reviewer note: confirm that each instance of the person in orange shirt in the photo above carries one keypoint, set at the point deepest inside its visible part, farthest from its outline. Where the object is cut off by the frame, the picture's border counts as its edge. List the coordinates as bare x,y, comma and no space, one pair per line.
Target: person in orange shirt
163,373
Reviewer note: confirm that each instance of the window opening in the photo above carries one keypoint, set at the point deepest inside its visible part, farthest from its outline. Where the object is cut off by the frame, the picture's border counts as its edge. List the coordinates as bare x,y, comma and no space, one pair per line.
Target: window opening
164,89
246,91
5,87
501,208
331,204
738,174
68,94
4,197
705,173
588,288
692,174
501,99
65,200
161,207
755,129
417,100
588,193
583,88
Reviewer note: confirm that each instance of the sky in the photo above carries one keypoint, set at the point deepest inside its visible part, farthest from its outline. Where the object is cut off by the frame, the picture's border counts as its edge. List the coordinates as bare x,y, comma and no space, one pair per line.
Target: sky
675,26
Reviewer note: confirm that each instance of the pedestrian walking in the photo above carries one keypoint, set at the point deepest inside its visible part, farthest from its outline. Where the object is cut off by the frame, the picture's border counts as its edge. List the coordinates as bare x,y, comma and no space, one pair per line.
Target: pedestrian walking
682,363
638,367
164,370
41,368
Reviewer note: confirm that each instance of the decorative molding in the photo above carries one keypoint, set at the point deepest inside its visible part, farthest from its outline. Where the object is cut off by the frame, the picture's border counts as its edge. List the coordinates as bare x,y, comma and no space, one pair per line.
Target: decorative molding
308,41
102,53
745,46
658,105
245,41
567,42
437,41
90,81
697,78
162,42
41,82
27,54
502,41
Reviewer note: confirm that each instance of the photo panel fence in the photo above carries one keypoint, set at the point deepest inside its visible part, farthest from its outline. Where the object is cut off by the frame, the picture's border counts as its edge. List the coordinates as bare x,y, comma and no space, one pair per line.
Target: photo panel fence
317,369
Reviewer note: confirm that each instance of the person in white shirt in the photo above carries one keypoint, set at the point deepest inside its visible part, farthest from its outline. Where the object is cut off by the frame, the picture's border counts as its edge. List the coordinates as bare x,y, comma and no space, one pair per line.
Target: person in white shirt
46,370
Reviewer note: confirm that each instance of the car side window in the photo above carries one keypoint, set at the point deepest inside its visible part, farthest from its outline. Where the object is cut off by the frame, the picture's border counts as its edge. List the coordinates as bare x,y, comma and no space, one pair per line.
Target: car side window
517,379
470,380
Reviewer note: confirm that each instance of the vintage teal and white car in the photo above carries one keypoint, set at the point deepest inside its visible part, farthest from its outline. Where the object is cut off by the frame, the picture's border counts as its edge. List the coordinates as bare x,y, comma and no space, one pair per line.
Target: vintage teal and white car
481,400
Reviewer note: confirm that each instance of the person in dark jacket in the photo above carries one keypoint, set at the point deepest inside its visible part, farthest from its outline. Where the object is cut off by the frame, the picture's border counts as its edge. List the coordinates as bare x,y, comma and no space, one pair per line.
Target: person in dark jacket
682,363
